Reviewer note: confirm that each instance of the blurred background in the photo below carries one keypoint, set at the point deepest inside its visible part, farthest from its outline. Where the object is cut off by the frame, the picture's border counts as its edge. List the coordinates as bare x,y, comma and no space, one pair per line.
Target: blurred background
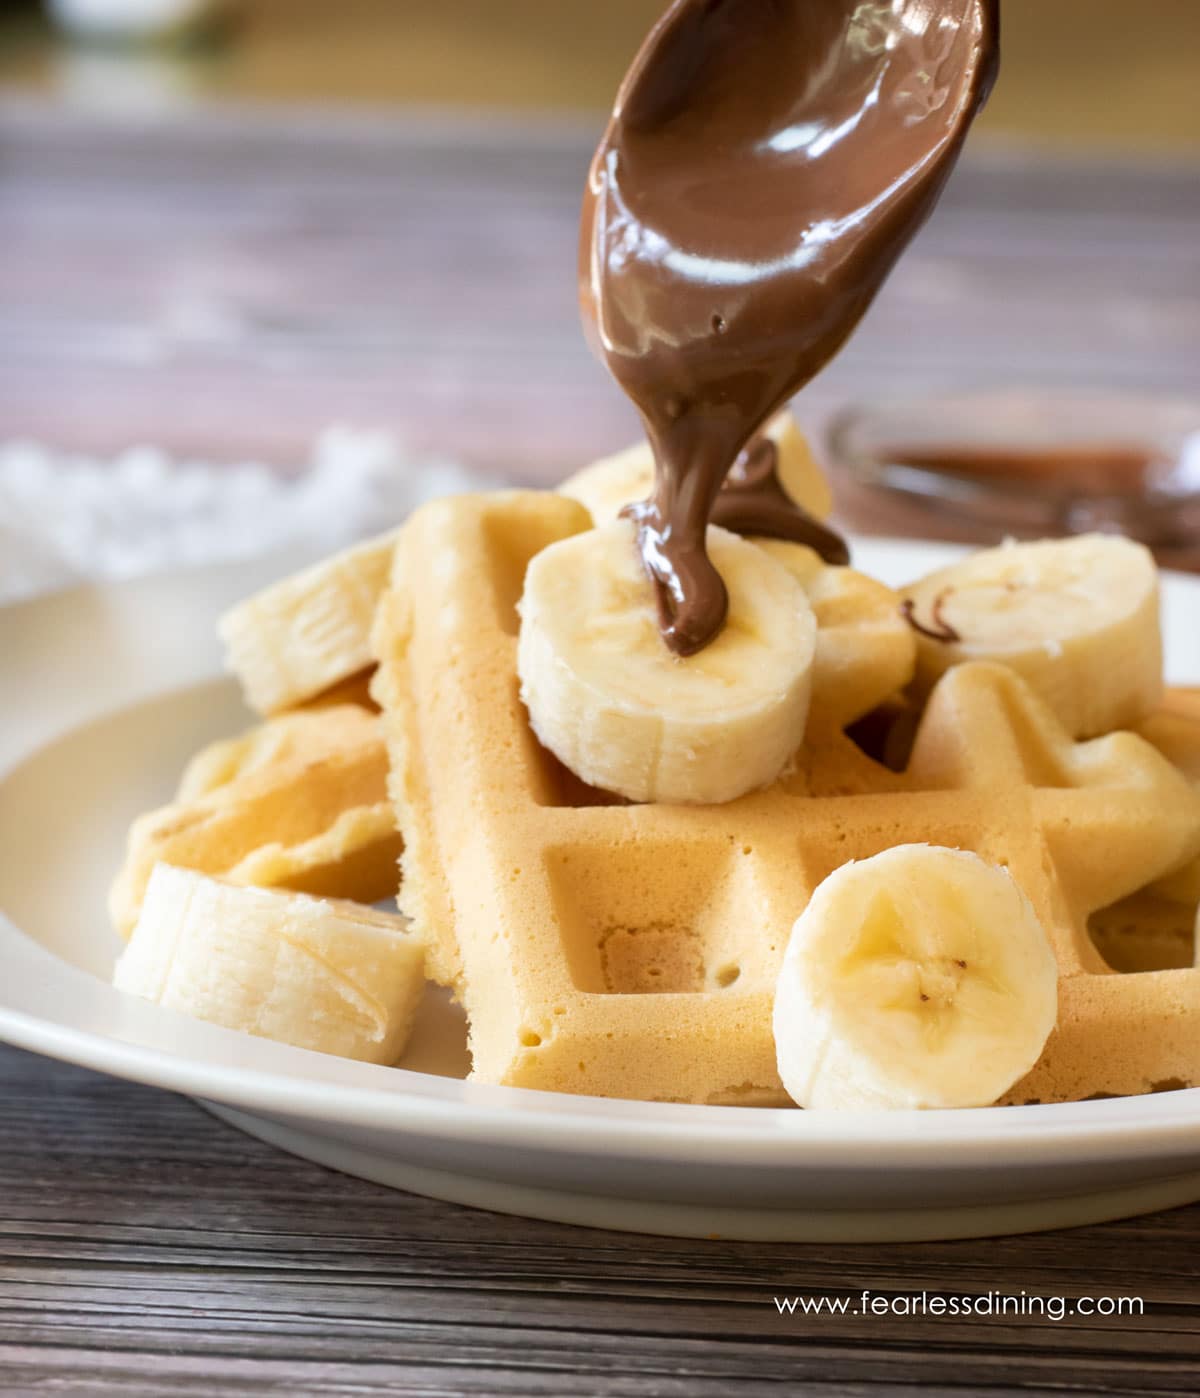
1096,73
226,226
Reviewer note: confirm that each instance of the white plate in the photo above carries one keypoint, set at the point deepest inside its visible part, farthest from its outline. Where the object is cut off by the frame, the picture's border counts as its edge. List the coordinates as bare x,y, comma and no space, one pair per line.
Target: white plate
103,694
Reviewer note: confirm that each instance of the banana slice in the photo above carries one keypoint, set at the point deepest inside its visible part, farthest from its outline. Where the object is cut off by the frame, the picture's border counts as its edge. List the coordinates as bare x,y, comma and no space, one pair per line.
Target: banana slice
606,487
331,976
308,632
300,802
918,978
865,650
1076,618
291,740
608,698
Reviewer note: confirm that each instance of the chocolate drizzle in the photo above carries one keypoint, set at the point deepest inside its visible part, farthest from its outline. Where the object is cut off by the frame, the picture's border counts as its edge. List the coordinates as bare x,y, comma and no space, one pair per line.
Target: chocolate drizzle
753,501
939,628
766,163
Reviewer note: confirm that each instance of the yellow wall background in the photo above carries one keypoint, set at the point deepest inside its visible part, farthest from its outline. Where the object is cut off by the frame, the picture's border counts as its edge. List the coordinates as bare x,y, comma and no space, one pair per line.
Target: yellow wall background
1096,72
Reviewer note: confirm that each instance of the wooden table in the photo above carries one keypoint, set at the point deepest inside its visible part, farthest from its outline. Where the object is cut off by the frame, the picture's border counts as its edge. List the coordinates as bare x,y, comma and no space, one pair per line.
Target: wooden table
148,1248
227,284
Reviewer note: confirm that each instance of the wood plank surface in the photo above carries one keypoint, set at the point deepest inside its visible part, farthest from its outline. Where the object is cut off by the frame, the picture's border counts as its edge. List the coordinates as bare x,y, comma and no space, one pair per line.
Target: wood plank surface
228,282
146,1247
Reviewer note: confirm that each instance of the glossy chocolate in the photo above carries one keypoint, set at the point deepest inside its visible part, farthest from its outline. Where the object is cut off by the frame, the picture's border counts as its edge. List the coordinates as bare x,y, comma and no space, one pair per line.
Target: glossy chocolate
766,163
753,501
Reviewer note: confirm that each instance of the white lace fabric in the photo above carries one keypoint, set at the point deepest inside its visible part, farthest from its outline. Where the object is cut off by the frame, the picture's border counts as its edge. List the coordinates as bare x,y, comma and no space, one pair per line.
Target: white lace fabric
67,518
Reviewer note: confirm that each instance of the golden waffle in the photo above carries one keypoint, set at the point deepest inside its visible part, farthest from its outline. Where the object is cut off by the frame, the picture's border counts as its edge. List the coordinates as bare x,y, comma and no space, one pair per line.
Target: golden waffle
1155,928
1145,932
1175,732
300,802
632,950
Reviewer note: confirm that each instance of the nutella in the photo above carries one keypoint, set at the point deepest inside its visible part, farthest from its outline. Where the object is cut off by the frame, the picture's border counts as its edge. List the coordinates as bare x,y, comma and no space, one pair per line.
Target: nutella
766,163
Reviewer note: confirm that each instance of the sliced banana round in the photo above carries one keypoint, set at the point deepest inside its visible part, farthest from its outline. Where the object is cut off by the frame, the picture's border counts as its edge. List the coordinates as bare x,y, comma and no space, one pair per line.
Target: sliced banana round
606,487
318,973
624,713
920,977
308,632
799,472
865,651
1078,619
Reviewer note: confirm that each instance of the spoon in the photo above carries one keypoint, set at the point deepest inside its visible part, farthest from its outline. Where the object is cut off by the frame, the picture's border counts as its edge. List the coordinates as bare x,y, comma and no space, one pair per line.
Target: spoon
766,163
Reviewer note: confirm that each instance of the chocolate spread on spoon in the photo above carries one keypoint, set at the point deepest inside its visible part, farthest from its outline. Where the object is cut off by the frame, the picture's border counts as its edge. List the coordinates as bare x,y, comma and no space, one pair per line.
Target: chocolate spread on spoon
766,163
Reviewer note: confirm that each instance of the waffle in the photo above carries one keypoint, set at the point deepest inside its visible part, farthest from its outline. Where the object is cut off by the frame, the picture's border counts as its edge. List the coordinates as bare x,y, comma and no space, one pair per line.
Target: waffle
1175,732
632,950
299,802
1155,928
1145,932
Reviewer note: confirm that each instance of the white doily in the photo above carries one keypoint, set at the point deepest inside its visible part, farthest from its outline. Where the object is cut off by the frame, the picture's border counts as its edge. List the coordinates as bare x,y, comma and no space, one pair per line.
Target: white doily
65,518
